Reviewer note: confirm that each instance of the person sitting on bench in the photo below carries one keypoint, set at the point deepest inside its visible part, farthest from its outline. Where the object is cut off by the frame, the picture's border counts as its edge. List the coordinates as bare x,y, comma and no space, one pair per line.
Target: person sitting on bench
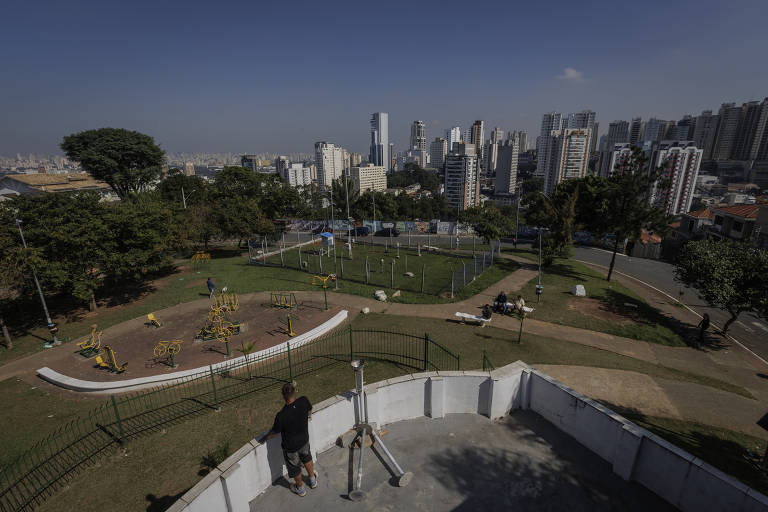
520,303
501,303
487,312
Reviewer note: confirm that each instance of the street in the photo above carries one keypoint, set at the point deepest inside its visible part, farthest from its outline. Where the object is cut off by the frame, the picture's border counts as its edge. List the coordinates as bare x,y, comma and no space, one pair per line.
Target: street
749,330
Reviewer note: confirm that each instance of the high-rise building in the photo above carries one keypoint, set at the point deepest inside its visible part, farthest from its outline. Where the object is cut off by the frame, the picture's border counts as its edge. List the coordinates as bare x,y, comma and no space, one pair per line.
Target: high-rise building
392,159
380,154
355,159
506,167
522,138
704,133
189,169
550,122
748,125
583,119
452,135
281,164
653,131
759,149
369,177
680,161
297,175
685,128
497,135
570,156
634,131
437,151
618,132
329,159
462,185
418,137
477,138
727,129
618,155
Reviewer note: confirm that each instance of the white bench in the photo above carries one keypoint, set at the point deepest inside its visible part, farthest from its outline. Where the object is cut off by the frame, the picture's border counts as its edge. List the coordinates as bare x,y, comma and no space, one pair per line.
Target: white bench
473,318
511,307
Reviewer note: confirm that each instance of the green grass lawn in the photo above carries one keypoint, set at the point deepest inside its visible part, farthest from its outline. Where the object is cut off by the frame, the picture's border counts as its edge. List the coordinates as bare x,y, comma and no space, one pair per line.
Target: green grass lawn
158,468
188,284
609,314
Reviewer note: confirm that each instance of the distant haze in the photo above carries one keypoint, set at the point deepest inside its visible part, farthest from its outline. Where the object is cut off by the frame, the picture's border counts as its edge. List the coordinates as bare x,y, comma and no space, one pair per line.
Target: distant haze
278,76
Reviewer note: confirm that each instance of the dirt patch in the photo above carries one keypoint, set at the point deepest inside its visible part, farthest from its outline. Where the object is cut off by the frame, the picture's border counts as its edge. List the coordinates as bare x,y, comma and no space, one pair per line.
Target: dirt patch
133,341
600,310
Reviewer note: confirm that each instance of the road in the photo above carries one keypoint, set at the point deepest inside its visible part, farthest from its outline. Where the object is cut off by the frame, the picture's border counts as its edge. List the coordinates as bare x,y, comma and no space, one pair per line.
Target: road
749,330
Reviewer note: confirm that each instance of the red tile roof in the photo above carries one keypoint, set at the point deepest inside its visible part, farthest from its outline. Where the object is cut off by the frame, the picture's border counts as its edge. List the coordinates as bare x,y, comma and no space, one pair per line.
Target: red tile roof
746,211
706,213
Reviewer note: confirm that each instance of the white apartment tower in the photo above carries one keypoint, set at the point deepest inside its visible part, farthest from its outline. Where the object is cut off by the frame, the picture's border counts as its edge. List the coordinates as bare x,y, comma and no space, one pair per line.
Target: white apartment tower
437,151
369,177
569,158
550,122
418,136
462,185
380,147
330,163
506,166
452,135
680,161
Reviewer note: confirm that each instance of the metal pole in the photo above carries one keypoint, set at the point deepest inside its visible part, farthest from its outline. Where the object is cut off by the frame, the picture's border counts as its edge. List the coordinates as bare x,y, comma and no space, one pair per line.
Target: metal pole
451,283
464,274
183,199
290,366
392,275
117,418
538,288
367,270
213,384
333,226
39,290
349,227
422,278
409,238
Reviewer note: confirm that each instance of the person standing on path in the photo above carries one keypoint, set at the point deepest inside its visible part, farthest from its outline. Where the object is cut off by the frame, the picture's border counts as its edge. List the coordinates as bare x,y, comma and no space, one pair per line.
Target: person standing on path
211,287
703,326
292,424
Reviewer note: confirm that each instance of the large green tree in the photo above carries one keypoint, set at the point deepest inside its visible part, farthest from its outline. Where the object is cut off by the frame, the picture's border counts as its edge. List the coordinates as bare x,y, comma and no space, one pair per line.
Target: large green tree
728,275
127,160
488,222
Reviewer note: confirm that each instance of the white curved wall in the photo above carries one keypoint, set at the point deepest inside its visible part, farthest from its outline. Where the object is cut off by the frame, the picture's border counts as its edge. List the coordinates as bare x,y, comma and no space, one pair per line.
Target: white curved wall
121,386
635,454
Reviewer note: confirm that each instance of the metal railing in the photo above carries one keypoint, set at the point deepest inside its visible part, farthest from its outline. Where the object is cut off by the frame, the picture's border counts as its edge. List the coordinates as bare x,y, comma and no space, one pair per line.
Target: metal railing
38,472
487,365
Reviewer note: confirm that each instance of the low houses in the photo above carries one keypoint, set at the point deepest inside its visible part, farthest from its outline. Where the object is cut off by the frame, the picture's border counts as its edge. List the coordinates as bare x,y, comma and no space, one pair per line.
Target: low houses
735,222
34,184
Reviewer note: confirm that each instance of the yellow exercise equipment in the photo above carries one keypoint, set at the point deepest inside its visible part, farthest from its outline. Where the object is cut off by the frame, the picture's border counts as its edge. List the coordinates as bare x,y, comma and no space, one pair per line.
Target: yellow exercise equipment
284,300
153,320
167,347
323,279
200,257
110,361
228,301
90,347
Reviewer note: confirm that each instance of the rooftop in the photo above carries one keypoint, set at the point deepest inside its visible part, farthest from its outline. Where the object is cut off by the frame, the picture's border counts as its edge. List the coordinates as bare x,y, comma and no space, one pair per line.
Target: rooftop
705,213
747,211
58,182
468,462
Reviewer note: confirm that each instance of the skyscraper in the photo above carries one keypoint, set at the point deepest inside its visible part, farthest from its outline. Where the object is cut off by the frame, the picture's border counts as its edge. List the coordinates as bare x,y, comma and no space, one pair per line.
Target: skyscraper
462,185
634,131
477,137
618,132
418,137
745,135
380,154
437,151
704,133
653,130
727,129
544,144
681,161
583,119
329,159
760,142
569,158
506,167
497,135
452,135
281,164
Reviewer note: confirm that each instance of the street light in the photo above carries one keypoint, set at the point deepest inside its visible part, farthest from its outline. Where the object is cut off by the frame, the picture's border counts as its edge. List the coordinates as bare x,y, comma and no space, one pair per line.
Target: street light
51,326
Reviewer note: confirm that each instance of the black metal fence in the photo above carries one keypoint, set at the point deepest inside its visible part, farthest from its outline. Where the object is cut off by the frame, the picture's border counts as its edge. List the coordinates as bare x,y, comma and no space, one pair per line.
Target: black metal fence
39,471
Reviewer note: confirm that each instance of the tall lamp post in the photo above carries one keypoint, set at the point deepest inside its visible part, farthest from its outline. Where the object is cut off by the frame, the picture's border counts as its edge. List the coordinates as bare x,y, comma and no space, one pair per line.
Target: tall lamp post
539,287
335,270
51,326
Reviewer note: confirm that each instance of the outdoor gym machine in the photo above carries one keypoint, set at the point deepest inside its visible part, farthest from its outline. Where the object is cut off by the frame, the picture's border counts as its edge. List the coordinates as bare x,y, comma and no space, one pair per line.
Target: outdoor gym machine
363,428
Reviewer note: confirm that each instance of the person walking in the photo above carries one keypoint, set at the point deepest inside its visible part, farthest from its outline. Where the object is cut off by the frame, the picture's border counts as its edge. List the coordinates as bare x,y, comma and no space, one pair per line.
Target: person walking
211,287
703,326
291,422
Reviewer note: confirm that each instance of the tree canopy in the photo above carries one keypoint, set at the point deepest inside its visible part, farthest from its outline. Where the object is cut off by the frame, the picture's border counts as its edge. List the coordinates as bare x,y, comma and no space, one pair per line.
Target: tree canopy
127,160
728,275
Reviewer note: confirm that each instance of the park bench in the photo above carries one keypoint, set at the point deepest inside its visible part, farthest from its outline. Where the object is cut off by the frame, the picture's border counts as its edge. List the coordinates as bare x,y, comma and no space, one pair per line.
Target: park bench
481,321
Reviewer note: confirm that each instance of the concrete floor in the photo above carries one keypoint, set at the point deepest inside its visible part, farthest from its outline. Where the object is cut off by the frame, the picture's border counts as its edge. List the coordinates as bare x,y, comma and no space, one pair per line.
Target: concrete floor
465,462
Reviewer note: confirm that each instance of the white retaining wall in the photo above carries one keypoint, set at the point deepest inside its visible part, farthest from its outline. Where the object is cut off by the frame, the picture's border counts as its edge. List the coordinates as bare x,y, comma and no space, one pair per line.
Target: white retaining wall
635,454
121,386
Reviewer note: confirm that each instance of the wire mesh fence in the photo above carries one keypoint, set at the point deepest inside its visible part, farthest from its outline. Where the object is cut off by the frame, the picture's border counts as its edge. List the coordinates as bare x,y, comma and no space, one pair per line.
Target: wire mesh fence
51,462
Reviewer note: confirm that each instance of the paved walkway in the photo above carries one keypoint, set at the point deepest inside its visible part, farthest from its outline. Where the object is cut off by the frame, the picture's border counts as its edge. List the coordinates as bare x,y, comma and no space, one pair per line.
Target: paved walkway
729,362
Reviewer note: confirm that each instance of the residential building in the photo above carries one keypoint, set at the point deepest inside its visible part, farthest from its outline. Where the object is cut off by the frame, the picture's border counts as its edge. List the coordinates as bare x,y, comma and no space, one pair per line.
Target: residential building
545,143
522,139
685,128
355,159
653,130
694,224
462,185
759,149
369,177
416,156
477,138
583,119
418,137
570,156
506,168
380,148
727,130
37,184
751,113
497,135
281,164
329,159
634,131
615,158
681,161
297,175
452,136
704,133
735,222
618,133
437,151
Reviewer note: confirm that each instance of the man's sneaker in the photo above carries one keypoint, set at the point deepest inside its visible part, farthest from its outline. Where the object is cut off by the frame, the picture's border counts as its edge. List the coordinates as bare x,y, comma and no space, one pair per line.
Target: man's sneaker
313,481
301,491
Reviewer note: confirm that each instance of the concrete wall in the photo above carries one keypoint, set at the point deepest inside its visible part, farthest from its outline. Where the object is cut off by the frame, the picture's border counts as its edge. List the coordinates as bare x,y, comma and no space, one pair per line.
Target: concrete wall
634,453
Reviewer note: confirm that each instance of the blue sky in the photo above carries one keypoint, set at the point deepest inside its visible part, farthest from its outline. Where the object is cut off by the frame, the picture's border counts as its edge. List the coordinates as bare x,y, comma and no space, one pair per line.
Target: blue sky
278,76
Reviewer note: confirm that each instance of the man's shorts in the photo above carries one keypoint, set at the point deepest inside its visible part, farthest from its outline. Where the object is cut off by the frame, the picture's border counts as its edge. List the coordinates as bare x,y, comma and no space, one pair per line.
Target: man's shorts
294,460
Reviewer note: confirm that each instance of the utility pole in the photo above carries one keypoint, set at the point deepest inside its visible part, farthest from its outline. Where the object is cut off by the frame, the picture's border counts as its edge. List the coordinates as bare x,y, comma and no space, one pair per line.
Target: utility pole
51,325
517,214
349,225
373,199
333,234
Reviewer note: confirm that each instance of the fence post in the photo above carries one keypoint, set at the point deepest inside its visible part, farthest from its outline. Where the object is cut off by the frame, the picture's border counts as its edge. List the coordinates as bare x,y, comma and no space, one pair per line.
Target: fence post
282,262
418,249
409,238
290,366
473,244
367,270
422,278
426,351
458,362
406,262
300,260
320,259
119,421
451,283
342,267
392,275
464,273
428,240
483,262
213,384
351,345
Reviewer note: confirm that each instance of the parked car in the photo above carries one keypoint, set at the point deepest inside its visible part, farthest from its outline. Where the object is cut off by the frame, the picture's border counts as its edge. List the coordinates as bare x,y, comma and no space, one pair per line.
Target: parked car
361,231
388,232
322,229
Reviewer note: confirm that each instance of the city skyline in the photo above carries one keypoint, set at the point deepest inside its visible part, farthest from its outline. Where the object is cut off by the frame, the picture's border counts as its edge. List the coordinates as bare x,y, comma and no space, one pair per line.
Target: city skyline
196,82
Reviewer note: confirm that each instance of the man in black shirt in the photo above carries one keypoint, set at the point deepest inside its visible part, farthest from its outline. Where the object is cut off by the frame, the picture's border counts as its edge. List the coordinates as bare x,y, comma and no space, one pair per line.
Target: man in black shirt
291,424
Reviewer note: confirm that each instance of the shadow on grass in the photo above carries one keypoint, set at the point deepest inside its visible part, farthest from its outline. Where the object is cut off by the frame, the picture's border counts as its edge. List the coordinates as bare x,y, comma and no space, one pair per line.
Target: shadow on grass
162,503
708,443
